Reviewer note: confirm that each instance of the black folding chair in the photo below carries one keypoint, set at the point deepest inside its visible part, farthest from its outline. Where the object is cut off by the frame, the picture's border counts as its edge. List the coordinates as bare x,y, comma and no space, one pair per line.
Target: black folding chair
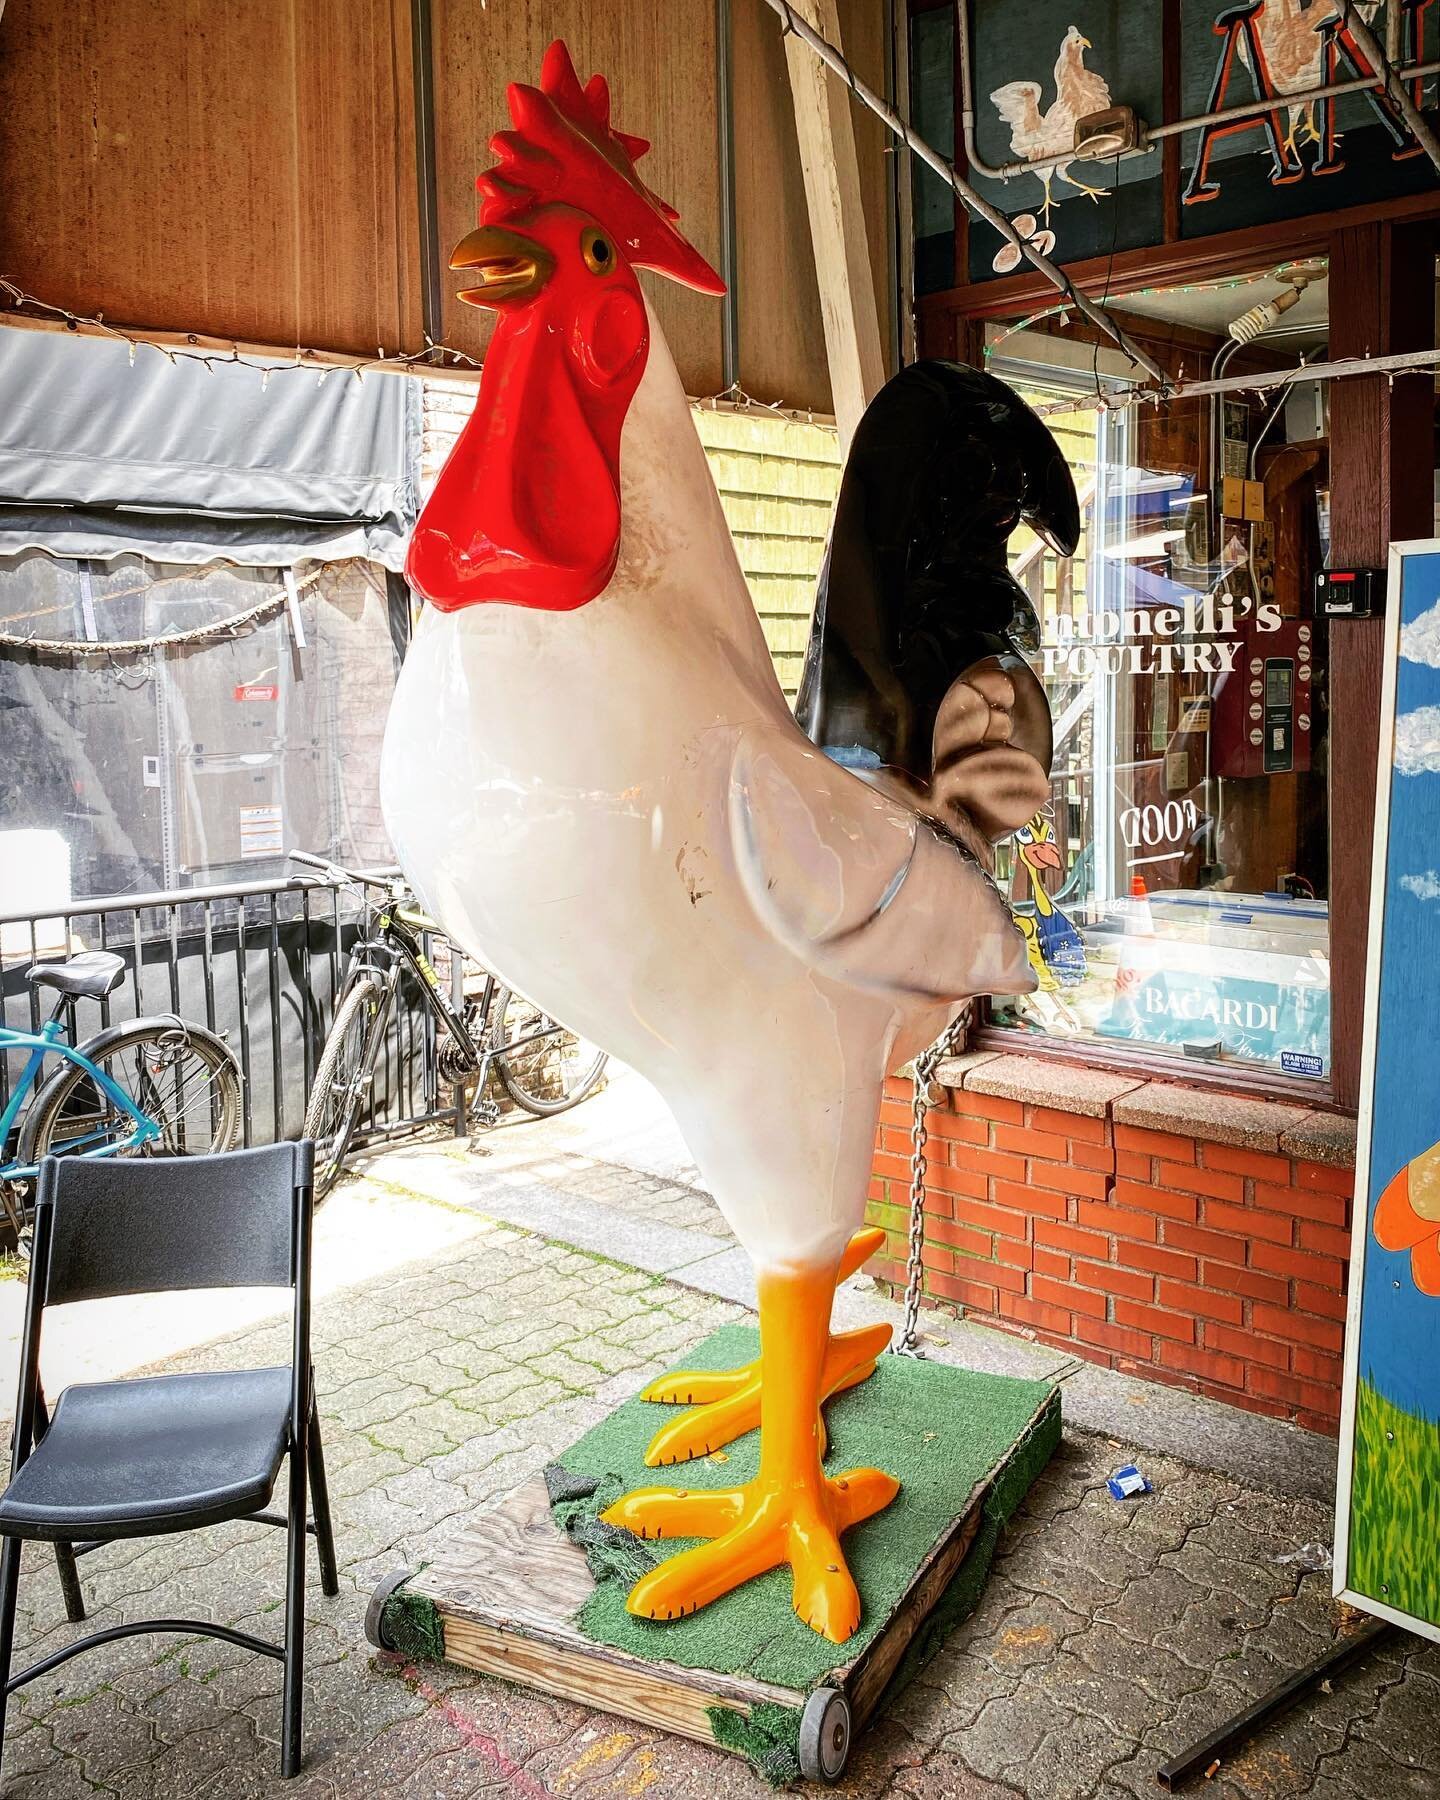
140,1458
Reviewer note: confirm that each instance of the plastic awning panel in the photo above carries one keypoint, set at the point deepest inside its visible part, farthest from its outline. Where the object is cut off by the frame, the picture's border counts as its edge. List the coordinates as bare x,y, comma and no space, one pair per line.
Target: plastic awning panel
100,456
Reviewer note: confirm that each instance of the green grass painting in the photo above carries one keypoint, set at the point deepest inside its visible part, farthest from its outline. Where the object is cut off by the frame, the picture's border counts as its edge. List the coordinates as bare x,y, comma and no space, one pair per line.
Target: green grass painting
1395,1506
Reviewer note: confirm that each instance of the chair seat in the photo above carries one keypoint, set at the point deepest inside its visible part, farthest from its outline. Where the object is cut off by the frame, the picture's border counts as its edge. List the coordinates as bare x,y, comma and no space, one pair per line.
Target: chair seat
159,1454
89,976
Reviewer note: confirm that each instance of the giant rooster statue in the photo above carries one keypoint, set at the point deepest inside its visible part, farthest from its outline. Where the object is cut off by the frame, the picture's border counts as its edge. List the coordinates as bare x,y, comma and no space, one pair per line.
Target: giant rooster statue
593,780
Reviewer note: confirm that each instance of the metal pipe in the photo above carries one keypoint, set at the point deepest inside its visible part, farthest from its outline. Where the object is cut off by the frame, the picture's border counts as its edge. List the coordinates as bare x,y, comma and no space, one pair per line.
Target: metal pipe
1407,362
432,294
932,158
1202,1757
904,190
1264,431
1251,109
729,254
1154,134
234,890
1394,85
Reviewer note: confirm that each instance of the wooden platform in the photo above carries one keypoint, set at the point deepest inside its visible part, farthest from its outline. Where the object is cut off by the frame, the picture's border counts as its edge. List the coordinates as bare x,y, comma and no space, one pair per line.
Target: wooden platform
508,1591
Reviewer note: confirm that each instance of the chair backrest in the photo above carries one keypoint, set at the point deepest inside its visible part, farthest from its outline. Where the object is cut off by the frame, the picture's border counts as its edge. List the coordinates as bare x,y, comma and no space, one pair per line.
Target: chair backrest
144,1225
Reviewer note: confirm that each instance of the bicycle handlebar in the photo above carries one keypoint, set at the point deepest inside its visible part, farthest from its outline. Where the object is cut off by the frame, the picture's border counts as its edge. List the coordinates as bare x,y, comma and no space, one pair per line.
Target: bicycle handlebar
342,876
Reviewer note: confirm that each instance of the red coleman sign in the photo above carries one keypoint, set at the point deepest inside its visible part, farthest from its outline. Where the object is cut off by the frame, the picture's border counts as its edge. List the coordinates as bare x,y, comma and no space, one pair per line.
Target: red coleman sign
257,693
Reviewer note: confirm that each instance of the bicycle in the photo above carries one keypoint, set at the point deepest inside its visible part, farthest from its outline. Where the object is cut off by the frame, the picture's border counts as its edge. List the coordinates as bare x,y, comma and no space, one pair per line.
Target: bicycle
152,1087
491,1031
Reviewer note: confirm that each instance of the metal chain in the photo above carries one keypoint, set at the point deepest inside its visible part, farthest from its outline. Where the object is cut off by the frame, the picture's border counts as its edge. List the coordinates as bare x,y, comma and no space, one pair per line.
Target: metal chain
925,1066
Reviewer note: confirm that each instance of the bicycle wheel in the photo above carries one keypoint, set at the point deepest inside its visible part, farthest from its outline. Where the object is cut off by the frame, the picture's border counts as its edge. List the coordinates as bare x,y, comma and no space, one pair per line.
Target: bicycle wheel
181,1076
342,1079
544,1068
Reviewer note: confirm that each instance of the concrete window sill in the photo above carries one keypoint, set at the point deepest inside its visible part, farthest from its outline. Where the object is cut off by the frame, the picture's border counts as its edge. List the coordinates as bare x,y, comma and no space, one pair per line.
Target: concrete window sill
1164,1106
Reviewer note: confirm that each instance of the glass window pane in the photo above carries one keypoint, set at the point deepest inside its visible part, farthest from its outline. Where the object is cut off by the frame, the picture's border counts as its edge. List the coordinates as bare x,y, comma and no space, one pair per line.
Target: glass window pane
1175,891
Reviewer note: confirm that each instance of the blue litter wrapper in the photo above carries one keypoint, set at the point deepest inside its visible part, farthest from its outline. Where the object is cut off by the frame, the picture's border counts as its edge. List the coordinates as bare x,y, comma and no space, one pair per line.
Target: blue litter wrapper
1125,1483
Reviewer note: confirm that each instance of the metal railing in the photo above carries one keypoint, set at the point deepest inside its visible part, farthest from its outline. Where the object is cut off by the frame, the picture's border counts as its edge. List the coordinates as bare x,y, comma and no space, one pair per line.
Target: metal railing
259,962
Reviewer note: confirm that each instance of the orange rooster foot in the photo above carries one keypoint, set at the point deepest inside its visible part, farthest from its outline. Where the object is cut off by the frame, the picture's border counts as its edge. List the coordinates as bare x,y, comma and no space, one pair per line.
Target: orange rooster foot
726,1402
753,1529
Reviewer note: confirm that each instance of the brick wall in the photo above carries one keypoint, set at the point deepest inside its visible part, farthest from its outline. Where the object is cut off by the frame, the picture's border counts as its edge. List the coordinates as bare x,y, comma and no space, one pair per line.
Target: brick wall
1168,1253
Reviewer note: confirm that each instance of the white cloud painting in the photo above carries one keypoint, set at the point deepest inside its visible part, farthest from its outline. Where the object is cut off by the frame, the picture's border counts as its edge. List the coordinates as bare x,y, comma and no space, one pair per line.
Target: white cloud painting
1423,887
1417,741
1420,639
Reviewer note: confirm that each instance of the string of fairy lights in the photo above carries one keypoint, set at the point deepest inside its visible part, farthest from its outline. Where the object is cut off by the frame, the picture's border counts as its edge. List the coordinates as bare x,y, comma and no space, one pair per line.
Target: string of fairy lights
1062,309
213,353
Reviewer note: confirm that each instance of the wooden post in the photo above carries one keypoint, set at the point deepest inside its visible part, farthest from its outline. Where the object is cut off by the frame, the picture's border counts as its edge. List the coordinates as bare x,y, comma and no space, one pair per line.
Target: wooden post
1382,286
826,132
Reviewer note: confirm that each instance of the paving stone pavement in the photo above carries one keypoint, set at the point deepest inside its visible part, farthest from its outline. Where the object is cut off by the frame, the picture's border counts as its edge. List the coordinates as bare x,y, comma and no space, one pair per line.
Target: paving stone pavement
1109,1635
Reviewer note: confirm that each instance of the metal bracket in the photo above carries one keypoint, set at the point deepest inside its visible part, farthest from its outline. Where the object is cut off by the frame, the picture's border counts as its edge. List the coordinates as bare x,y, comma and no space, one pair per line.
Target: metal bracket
1203,1757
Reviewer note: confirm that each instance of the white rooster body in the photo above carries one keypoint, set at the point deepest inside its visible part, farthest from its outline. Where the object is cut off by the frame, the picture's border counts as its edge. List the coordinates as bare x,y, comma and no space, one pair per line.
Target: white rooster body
593,780
614,809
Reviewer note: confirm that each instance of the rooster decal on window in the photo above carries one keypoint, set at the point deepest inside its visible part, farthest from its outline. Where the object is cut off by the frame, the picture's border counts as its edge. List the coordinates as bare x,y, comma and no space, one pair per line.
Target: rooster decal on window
594,782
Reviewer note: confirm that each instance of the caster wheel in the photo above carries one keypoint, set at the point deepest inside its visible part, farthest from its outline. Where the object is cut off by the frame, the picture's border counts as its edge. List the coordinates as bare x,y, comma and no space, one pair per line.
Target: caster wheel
375,1610
825,1736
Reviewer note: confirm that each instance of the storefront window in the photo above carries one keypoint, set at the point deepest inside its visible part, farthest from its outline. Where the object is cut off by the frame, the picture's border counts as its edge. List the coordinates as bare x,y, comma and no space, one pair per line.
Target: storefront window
1175,890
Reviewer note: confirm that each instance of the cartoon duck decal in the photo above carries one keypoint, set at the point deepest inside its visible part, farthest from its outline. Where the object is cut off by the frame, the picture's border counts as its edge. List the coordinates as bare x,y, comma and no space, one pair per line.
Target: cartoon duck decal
1055,946
1407,1217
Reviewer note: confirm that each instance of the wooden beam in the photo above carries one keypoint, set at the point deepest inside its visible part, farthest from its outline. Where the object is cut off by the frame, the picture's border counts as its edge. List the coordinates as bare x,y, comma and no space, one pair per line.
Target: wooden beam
1381,431
826,133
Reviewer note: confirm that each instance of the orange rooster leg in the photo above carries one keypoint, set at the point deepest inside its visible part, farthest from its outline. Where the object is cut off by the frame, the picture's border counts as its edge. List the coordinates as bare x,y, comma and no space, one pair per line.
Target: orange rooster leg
792,1512
727,1402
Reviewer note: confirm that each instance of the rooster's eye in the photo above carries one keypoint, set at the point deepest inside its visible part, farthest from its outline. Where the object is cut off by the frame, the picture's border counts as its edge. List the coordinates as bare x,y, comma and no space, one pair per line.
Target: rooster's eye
595,248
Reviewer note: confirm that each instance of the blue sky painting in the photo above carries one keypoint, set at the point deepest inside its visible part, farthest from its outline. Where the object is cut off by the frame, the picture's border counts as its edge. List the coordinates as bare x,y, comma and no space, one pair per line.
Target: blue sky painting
1399,1348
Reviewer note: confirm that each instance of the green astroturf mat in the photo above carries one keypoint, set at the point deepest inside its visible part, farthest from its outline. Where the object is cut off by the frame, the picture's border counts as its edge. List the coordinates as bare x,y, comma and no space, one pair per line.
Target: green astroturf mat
938,1429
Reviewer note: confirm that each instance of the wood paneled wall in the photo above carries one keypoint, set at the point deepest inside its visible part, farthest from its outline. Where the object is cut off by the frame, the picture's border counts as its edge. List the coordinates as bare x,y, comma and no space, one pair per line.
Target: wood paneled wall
238,167
246,168
660,63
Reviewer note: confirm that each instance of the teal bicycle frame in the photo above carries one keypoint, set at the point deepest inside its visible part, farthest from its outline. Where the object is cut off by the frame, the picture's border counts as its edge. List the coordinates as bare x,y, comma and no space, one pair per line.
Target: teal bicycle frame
50,1040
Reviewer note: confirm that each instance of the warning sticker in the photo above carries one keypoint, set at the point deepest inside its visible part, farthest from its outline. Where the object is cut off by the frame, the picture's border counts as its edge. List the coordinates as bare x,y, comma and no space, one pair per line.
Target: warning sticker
260,831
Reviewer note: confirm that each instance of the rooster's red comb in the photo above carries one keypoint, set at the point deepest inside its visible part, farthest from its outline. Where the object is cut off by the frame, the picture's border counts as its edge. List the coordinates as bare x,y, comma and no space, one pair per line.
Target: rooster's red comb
563,147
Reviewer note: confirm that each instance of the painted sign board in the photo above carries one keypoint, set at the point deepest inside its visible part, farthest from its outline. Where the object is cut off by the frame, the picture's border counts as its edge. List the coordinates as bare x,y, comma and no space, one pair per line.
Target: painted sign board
1387,1528
1302,156
1038,68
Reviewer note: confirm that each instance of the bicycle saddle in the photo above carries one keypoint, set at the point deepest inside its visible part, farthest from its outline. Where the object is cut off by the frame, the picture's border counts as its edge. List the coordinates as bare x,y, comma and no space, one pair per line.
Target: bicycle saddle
91,975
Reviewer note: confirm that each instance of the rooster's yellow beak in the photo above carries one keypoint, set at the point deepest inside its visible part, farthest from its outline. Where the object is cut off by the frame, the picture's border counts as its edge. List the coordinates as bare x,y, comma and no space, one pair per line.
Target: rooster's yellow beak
509,266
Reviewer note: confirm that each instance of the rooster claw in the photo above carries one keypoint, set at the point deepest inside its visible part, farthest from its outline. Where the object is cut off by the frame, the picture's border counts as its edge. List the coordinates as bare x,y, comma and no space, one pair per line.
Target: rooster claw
754,1529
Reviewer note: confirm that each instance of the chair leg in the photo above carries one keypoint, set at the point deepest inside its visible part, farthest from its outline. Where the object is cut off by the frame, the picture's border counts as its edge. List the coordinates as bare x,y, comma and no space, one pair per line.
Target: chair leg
293,1697
9,1586
320,1503
70,1583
